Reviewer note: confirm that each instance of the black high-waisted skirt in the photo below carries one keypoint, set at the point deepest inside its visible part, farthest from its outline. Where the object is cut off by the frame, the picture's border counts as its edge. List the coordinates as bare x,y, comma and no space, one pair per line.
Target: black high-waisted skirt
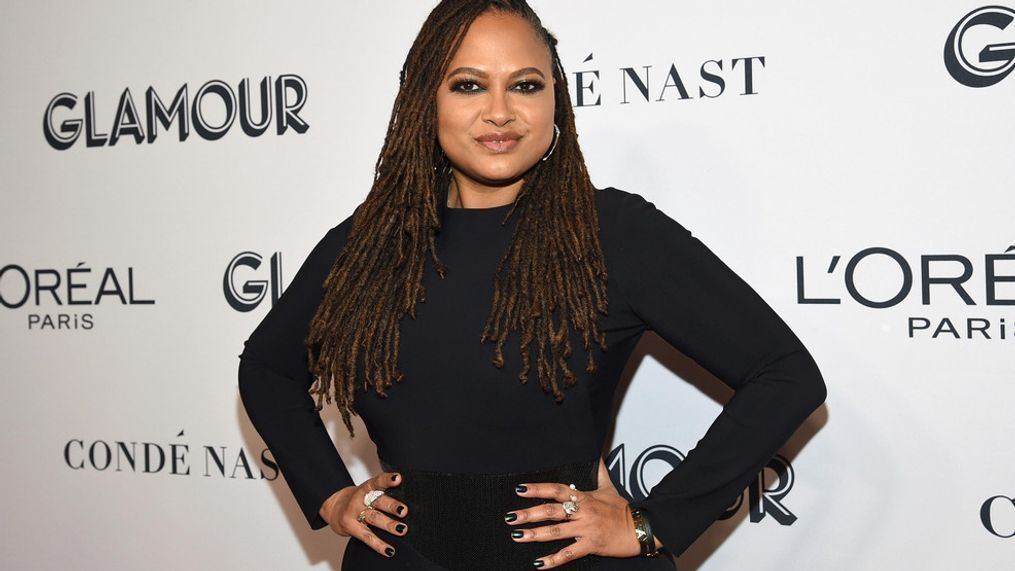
456,523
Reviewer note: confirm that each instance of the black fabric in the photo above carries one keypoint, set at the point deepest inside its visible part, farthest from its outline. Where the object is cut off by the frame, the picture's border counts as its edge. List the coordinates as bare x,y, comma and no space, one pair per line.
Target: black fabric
458,519
358,556
455,412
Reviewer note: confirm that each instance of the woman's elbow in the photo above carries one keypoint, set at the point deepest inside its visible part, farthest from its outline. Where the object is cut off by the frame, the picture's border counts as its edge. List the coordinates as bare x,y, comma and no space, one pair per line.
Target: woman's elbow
250,383
800,381
812,383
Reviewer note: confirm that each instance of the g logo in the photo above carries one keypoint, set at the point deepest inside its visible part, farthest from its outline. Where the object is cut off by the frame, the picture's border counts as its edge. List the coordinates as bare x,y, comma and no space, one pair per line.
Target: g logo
252,292
972,73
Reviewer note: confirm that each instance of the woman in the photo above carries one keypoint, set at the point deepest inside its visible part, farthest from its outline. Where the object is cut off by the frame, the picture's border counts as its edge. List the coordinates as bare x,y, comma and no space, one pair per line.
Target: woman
483,226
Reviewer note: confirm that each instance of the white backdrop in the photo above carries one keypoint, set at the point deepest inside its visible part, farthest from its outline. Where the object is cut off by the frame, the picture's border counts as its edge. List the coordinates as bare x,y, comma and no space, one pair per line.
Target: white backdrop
853,136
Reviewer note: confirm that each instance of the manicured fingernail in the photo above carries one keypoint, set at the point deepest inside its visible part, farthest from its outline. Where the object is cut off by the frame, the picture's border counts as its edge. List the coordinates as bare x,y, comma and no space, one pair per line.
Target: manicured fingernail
394,477
520,488
517,534
400,509
537,563
400,527
389,551
511,516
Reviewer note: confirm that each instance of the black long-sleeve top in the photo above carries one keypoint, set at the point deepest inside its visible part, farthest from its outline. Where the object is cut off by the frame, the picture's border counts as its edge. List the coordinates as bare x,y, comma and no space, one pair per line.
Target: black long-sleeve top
455,412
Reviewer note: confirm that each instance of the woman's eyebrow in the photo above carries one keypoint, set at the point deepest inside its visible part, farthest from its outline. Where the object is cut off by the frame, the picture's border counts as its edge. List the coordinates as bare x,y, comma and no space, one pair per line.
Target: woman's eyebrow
482,74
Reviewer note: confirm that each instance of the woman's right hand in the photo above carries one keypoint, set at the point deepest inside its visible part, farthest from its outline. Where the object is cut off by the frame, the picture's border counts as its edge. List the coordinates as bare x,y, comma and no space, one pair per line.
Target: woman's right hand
342,509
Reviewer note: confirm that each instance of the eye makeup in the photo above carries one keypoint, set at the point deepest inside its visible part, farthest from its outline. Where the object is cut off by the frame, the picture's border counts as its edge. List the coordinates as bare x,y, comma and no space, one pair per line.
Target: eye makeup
466,86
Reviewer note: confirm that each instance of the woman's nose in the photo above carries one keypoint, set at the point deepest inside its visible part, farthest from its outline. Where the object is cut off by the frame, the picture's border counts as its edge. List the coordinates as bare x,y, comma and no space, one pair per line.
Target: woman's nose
498,108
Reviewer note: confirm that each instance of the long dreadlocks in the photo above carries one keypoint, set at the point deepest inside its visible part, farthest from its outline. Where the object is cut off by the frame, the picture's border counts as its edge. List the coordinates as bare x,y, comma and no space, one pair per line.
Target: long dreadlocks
553,263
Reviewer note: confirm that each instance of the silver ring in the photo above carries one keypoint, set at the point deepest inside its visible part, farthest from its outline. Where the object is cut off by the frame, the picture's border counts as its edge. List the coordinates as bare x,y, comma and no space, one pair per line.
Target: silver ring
371,497
570,506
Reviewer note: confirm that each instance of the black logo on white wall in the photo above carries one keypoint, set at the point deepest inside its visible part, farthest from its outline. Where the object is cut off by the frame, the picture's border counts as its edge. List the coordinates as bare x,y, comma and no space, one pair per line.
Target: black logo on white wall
245,285
933,278
54,295
997,514
173,458
765,496
982,64
277,103
660,83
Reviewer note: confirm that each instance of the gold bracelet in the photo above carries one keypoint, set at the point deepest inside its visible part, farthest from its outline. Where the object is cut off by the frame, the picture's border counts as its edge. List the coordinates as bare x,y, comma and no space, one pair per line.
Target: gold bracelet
643,531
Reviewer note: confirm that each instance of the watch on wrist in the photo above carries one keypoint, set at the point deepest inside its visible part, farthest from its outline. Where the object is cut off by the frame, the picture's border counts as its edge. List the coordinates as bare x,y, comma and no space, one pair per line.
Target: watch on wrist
643,531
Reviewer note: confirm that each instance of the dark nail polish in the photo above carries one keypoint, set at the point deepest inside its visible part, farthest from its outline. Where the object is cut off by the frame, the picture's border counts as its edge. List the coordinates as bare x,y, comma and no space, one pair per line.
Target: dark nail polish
394,477
400,509
537,563
517,534
389,551
520,488
511,516
400,527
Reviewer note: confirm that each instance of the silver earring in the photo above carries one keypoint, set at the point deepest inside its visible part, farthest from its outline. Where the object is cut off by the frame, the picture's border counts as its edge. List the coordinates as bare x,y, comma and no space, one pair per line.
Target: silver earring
447,166
556,137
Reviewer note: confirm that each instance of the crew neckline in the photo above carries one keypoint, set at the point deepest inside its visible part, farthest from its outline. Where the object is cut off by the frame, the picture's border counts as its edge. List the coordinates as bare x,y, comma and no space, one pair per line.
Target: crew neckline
443,197
502,207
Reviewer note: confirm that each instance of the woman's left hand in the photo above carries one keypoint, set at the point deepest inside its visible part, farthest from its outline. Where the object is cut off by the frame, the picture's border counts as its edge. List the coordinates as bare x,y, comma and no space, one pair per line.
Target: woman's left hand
601,526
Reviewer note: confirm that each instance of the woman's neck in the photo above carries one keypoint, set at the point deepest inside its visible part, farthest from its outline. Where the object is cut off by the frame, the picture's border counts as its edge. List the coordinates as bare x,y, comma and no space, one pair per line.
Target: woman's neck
470,194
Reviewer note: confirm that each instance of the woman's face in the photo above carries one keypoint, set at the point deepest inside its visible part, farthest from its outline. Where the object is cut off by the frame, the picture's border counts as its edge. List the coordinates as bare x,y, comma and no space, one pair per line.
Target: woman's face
495,105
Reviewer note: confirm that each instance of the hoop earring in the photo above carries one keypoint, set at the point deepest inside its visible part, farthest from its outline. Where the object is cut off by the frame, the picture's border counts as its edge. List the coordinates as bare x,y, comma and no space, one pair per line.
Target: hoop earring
556,137
447,164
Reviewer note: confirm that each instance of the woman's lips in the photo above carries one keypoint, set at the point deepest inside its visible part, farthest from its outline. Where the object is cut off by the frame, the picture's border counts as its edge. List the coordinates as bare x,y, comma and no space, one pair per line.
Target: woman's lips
500,146
499,142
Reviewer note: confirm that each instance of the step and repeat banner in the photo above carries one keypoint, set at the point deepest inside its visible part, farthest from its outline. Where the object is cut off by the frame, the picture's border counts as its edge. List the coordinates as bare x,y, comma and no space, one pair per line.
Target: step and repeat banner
167,167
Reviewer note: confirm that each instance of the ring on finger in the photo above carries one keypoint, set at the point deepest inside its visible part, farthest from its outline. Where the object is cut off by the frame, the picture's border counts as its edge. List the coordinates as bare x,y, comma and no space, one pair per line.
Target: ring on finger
570,506
371,497
363,514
